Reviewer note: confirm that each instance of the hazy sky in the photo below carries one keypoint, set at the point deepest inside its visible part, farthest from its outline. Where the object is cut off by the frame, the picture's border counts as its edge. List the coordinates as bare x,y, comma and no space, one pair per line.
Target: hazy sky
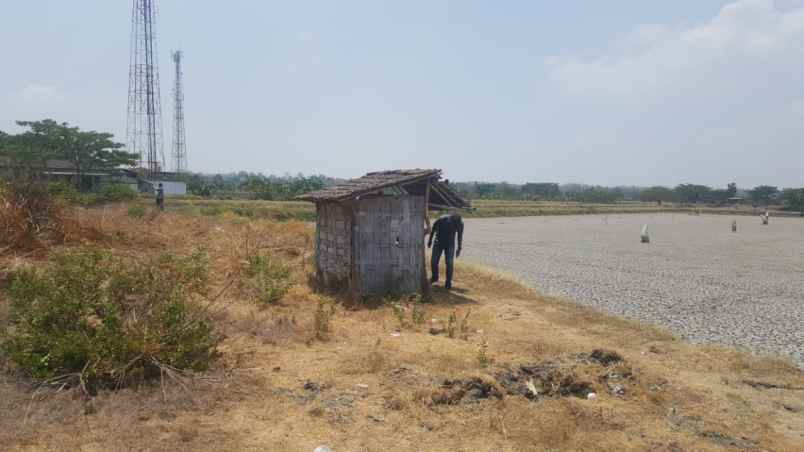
614,92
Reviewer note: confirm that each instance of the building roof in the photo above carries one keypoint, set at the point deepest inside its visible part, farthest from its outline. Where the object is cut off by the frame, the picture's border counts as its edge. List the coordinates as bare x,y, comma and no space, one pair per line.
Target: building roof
51,165
8,162
412,181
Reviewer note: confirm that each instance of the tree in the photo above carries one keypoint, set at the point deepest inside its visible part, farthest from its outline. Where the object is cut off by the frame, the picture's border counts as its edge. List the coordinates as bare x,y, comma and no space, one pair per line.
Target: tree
544,190
731,190
793,199
94,150
658,193
485,190
600,195
33,148
762,194
692,193
49,140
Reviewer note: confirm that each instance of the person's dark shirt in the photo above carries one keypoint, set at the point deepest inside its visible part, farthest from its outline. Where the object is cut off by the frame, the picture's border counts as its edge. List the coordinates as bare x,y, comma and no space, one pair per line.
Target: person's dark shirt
160,193
446,229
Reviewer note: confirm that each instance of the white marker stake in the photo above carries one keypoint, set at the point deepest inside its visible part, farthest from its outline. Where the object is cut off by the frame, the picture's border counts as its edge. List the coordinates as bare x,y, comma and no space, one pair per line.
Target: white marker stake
645,237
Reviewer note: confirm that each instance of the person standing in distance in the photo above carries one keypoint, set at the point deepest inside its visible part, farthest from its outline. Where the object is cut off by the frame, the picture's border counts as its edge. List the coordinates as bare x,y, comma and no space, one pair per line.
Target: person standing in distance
445,230
160,197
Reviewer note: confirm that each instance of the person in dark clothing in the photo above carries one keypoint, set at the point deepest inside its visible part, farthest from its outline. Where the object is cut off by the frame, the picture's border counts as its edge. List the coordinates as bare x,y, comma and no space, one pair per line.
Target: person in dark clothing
160,197
445,230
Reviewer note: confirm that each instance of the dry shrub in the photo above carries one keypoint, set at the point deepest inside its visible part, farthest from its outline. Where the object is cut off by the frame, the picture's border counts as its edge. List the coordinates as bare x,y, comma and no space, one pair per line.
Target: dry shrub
29,217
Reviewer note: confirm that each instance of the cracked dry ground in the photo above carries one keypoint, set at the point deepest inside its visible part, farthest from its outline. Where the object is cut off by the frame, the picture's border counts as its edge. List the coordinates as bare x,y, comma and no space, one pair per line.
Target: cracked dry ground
516,375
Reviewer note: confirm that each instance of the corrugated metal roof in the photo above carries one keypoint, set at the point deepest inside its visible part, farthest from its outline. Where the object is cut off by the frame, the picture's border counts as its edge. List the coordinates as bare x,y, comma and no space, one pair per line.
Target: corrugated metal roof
412,180
369,183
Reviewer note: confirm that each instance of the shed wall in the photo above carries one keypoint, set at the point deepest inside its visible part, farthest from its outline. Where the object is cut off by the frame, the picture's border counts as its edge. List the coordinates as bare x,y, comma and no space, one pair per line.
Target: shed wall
388,245
334,245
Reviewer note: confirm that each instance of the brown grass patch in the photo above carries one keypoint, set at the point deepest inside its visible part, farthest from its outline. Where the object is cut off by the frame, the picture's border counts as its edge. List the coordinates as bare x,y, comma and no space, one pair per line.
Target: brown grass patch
371,387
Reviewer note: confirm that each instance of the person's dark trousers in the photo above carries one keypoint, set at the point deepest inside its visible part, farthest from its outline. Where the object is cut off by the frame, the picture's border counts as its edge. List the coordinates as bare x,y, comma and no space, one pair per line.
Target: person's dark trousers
449,257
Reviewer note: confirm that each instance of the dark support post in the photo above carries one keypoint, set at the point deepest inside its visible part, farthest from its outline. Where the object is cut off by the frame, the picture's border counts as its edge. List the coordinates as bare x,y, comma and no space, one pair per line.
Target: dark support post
426,289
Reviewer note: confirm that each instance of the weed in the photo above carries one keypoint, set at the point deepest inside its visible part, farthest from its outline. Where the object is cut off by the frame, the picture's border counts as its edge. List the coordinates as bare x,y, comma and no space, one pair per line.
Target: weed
463,326
105,321
451,324
399,313
418,314
323,318
456,327
267,280
483,358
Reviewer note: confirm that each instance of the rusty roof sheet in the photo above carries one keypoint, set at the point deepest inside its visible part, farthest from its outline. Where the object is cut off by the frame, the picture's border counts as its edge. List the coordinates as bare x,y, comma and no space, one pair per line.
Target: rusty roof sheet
371,182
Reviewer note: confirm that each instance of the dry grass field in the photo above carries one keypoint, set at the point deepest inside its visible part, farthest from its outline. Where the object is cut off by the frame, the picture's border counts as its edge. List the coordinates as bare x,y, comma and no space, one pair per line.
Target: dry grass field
303,211
491,366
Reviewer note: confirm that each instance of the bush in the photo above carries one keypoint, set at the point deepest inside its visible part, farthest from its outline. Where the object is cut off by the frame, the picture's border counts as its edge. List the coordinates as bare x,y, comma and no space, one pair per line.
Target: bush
267,280
65,191
107,321
211,211
29,218
136,212
111,194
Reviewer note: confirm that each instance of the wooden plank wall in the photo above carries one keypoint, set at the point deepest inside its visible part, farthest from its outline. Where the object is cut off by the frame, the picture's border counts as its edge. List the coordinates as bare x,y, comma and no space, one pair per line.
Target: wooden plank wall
333,245
388,243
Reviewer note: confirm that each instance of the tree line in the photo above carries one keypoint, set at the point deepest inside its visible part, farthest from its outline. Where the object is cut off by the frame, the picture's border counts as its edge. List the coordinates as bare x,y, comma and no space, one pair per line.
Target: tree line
29,153
255,185
43,141
762,195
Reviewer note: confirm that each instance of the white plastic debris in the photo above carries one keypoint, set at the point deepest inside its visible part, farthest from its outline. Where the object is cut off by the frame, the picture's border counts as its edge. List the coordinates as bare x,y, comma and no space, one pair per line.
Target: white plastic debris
532,387
396,334
322,449
591,396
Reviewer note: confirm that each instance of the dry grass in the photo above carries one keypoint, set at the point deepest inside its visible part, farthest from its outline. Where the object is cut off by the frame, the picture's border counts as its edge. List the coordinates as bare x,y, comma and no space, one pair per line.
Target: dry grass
365,387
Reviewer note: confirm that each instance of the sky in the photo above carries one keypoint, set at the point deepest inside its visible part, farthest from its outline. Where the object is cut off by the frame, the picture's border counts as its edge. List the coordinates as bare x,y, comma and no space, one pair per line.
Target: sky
622,92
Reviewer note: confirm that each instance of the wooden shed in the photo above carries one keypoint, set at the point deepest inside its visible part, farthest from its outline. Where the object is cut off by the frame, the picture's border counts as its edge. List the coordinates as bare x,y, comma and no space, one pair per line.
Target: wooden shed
370,231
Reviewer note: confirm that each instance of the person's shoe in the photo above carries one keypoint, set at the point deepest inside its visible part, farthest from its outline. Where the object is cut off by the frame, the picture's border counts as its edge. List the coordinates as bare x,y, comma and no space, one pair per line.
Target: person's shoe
448,285
433,280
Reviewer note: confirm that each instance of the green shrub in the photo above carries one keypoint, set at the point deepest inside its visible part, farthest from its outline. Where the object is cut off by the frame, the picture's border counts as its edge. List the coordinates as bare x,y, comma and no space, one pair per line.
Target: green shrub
115,193
136,212
107,321
108,194
267,279
211,211
65,191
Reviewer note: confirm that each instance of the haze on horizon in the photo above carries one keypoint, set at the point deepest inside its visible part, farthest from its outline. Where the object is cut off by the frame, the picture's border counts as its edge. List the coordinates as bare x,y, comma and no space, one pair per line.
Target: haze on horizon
613,93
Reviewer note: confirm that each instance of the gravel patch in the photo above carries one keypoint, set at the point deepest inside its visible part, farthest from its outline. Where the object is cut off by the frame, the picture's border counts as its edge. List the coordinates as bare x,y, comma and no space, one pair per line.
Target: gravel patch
696,277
